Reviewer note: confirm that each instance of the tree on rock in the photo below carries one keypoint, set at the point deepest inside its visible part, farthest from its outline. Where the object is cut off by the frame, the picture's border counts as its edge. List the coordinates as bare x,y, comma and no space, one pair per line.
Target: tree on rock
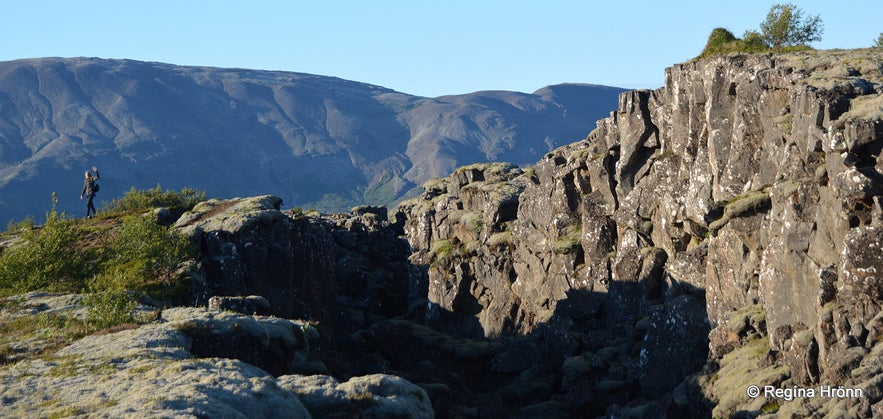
785,26
879,42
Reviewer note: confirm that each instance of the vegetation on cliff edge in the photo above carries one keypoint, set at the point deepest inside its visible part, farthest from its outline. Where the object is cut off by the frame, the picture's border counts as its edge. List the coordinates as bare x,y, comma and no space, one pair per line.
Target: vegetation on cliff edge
115,259
784,29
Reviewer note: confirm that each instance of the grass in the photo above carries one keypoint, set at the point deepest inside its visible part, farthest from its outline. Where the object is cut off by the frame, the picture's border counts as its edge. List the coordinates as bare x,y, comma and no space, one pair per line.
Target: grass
31,336
867,107
441,250
473,220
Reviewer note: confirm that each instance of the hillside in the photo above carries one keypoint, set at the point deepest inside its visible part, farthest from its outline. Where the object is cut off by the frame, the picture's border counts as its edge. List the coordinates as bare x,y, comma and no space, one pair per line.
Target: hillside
317,142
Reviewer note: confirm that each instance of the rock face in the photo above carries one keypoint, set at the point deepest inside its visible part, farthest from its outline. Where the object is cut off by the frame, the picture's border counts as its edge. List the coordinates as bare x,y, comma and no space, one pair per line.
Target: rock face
745,181
306,267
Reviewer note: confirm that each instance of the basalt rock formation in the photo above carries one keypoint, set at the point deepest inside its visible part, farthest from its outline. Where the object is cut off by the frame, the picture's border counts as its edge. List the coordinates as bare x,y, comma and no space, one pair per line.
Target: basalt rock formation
737,207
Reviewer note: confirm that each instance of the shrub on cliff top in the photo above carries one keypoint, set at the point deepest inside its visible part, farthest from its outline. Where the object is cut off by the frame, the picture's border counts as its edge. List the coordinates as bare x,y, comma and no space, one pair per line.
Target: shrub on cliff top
144,256
136,200
49,258
722,41
785,29
114,261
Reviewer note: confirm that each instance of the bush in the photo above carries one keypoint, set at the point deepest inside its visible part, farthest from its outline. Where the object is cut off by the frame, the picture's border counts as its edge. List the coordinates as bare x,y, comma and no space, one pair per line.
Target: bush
722,41
136,200
145,256
137,257
879,42
719,37
109,307
16,226
50,258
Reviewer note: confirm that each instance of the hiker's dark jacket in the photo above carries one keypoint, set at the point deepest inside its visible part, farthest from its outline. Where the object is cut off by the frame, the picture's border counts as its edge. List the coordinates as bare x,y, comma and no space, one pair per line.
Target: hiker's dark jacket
89,185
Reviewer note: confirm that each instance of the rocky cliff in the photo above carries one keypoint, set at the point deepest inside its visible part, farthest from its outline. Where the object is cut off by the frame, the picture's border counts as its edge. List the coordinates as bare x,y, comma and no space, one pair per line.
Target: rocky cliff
719,233
738,206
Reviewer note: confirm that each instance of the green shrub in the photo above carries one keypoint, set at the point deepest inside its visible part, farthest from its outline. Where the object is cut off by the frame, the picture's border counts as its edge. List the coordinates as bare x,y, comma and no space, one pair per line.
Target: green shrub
16,226
49,258
145,256
722,41
136,200
108,307
719,37
139,256
142,258
785,29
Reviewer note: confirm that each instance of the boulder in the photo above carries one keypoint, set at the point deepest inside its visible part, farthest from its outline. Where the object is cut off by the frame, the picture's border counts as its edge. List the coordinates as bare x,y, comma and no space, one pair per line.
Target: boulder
370,396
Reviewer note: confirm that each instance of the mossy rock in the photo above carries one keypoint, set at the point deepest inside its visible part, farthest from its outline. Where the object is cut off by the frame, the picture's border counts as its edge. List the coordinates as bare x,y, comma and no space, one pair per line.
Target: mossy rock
502,238
746,203
739,370
752,316
570,241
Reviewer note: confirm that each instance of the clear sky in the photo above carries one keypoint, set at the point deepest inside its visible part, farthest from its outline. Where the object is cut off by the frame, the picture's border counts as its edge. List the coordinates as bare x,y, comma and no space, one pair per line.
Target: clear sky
420,47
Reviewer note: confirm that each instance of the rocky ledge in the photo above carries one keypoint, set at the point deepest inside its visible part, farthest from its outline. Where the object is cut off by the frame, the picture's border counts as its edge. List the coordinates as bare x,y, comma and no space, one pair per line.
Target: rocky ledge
193,362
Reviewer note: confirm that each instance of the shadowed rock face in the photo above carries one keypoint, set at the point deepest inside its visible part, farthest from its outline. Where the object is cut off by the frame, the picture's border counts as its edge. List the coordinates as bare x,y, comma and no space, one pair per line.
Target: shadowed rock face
315,141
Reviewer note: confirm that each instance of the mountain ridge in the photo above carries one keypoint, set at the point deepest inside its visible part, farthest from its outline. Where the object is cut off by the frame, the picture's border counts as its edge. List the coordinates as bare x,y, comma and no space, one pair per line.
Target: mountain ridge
242,132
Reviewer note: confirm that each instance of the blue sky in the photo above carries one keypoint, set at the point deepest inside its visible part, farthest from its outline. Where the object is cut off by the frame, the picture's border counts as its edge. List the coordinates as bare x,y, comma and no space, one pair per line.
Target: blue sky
427,48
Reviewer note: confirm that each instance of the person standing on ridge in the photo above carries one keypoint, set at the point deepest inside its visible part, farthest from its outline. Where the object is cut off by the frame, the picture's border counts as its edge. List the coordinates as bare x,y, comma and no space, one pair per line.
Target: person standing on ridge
89,190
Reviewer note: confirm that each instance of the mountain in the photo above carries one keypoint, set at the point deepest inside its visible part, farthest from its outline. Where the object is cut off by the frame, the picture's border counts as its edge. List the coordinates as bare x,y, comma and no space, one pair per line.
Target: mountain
316,141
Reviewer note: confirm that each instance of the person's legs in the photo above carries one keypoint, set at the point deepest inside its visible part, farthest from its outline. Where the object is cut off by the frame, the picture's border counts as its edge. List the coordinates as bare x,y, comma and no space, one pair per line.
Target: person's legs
90,206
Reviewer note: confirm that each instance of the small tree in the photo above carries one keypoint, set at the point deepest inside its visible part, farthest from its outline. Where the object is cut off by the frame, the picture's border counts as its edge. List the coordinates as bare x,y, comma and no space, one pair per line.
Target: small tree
879,42
785,26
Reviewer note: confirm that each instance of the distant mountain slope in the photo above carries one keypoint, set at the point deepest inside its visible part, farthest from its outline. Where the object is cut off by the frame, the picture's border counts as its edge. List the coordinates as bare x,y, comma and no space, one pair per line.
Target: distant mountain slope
316,141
